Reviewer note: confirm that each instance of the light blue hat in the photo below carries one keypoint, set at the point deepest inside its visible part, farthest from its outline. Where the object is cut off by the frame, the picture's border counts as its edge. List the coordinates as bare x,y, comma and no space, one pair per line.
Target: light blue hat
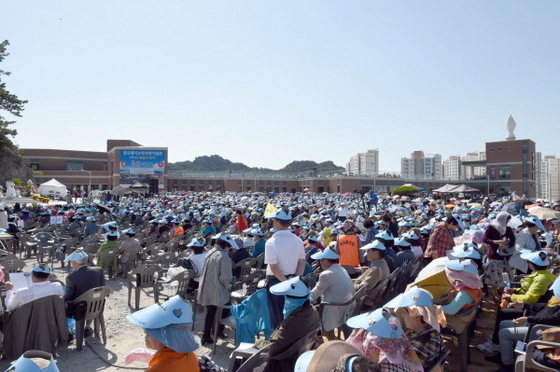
280,214
402,242
313,238
77,255
293,287
536,221
555,287
42,268
539,258
459,220
466,250
376,244
411,235
413,297
111,224
377,323
465,265
25,364
385,235
169,323
197,242
227,238
129,231
328,253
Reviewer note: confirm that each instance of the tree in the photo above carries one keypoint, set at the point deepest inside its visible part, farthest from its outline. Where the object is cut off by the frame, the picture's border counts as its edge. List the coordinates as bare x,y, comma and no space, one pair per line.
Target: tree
12,164
8,102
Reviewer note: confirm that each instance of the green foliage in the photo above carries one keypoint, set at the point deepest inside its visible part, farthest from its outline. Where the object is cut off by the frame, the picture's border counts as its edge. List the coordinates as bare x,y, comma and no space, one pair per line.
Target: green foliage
405,190
17,181
11,163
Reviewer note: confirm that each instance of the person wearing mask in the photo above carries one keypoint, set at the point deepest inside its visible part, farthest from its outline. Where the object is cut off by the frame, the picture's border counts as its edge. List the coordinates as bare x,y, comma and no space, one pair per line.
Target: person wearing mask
299,318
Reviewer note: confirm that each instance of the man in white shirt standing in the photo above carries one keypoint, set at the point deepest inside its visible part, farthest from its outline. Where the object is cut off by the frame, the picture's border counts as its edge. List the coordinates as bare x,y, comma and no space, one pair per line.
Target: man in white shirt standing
41,287
285,256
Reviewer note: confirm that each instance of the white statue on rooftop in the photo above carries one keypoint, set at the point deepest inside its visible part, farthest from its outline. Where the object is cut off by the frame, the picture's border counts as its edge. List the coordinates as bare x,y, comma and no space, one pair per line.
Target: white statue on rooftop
510,126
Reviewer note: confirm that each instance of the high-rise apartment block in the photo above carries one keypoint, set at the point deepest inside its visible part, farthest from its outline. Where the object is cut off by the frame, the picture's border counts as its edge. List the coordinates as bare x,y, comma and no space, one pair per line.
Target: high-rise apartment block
364,164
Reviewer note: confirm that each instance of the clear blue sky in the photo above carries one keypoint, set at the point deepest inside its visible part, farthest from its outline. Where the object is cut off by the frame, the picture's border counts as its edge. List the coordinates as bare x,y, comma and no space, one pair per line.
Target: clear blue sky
267,82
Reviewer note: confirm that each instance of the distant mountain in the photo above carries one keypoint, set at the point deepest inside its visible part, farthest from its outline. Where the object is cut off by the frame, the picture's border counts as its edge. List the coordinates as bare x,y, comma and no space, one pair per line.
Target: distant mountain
215,163
207,163
305,165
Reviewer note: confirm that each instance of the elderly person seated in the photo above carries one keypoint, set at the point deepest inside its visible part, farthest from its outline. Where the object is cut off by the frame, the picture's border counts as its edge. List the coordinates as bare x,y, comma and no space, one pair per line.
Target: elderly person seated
466,292
335,356
379,336
300,318
124,256
510,331
377,271
40,287
334,285
167,331
422,319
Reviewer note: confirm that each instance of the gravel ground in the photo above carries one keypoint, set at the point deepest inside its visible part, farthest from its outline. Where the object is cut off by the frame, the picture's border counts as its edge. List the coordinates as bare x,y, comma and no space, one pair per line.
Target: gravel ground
122,336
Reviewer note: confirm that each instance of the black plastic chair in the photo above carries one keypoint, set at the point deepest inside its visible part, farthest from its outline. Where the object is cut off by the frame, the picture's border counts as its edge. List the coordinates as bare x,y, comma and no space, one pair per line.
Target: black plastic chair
258,362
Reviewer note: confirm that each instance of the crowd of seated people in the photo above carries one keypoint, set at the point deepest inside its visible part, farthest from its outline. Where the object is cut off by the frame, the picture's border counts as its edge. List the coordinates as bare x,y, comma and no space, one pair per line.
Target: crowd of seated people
324,249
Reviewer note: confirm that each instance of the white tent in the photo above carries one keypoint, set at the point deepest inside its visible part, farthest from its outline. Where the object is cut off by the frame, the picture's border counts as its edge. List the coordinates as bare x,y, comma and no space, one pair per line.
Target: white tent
53,187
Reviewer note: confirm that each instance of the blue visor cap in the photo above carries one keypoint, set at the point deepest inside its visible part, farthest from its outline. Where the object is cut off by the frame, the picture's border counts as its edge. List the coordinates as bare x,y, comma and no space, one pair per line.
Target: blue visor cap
465,265
293,287
376,323
173,311
413,297
376,244
538,258
326,253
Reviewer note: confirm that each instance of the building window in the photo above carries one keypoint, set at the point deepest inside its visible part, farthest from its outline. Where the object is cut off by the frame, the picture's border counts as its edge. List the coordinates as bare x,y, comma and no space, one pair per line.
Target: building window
75,165
499,149
505,171
490,150
34,163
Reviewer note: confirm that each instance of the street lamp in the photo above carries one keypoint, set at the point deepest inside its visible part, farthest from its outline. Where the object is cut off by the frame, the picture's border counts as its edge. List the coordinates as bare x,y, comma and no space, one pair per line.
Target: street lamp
488,179
89,187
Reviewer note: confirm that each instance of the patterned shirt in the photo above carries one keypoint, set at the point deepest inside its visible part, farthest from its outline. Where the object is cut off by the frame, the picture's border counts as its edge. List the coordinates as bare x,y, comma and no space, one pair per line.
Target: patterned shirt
404,256
428,344
441,240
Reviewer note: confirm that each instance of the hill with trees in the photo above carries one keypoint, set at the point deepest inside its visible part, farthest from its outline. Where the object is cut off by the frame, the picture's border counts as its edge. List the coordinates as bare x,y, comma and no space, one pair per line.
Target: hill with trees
215,163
